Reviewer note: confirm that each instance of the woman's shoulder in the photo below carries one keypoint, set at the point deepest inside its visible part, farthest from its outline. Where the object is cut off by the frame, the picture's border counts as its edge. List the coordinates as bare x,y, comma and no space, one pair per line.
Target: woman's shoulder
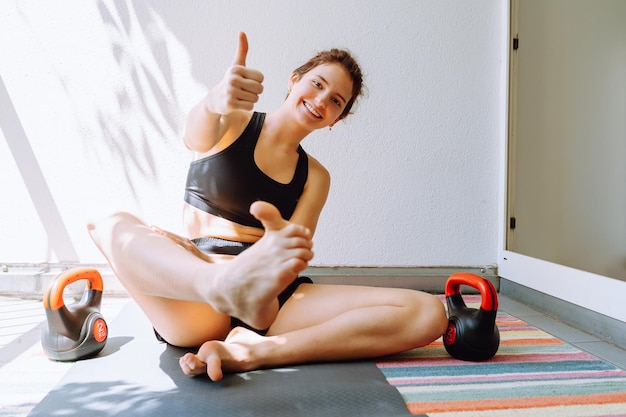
317,171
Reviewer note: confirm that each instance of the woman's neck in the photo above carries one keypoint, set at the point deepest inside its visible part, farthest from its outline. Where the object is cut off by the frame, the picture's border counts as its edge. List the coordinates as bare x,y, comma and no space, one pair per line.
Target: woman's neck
284,129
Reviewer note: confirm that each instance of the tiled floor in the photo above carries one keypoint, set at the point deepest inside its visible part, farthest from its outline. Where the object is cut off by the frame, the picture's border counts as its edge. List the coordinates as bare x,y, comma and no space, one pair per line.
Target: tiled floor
582,340
26,375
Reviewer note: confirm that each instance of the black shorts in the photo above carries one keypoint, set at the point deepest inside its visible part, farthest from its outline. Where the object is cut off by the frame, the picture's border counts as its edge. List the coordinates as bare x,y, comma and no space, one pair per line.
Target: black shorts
217,246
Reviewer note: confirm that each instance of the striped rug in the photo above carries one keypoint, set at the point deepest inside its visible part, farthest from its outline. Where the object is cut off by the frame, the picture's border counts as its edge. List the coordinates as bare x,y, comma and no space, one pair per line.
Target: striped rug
533,374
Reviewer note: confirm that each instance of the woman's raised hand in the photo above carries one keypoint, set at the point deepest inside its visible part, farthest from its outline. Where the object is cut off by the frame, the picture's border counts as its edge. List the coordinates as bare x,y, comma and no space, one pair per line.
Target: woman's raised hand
241,86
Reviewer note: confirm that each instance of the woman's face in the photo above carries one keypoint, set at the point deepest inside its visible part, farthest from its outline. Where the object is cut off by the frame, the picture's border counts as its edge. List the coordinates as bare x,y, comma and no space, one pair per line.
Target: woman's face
320,96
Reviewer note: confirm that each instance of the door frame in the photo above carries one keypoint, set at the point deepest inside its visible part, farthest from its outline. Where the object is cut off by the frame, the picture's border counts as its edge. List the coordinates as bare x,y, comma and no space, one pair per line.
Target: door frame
595,292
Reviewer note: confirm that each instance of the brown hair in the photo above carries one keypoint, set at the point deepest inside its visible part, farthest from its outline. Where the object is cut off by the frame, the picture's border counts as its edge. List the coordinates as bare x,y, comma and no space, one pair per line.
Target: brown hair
343,58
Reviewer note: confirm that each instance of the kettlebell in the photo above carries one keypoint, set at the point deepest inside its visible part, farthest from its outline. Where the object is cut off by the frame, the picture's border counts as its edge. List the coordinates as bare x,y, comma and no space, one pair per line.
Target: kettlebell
472,334
77,331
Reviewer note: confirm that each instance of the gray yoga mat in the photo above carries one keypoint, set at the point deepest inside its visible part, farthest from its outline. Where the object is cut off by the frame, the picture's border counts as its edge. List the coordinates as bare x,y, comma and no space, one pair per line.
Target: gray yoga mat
135,375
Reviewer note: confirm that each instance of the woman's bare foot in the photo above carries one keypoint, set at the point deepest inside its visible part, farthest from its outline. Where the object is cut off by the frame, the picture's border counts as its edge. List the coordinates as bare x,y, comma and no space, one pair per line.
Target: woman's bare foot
235,354
253,279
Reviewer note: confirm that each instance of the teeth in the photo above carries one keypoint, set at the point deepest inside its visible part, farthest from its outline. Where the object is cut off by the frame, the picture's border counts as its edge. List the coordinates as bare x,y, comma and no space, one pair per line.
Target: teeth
312,110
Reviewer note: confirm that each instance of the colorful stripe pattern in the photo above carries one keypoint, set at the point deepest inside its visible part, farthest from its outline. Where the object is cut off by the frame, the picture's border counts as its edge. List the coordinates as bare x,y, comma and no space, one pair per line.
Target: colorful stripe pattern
533,374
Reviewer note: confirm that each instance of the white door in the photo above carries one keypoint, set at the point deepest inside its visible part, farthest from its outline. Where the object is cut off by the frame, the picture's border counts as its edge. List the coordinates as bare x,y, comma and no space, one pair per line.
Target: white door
565,232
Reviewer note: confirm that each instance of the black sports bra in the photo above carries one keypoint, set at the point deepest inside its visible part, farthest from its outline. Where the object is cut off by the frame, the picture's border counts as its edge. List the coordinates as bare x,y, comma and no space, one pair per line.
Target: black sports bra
227,183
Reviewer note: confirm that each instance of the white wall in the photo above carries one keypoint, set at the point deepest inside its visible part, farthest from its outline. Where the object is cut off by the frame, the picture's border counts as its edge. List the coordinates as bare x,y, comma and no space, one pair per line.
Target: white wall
101,90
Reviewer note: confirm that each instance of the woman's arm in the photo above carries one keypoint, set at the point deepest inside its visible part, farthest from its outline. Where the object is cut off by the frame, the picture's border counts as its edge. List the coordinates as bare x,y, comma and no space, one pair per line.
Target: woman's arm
203,128
314,196
208,120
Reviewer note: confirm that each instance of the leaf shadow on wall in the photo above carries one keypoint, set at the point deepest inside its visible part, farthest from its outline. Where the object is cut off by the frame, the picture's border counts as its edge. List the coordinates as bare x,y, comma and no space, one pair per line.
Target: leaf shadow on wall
146,115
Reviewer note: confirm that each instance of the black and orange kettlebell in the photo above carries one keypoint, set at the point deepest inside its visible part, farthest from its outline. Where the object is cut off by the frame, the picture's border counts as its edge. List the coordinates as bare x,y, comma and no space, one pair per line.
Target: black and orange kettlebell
472,334
76,331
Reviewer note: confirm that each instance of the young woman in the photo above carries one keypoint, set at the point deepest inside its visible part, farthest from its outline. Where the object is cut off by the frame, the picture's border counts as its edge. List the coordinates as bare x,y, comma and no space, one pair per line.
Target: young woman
252,203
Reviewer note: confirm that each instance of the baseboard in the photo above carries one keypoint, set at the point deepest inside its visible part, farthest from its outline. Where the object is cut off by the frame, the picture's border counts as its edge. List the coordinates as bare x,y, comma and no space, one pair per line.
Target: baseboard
428,279
31,280
599,325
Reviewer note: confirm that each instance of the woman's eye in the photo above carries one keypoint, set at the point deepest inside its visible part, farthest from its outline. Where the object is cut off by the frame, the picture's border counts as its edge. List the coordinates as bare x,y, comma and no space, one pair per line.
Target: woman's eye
337,102
317,83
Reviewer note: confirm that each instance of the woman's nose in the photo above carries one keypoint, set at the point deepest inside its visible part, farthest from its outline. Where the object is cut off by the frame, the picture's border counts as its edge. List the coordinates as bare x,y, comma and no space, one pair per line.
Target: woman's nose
321,100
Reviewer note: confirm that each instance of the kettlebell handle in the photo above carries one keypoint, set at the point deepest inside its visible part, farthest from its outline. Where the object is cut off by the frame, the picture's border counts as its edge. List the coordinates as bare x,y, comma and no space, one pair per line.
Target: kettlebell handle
54,296
488,291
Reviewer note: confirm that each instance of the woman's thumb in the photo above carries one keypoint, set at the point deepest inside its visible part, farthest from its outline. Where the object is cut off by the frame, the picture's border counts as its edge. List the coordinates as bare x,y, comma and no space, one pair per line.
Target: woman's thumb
268,215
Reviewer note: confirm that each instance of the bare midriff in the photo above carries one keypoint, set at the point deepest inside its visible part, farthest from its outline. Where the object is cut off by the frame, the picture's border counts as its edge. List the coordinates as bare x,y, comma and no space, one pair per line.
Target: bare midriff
199,223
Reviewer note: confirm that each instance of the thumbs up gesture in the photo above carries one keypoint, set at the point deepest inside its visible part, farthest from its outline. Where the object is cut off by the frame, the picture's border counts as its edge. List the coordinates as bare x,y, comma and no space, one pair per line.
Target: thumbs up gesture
241,86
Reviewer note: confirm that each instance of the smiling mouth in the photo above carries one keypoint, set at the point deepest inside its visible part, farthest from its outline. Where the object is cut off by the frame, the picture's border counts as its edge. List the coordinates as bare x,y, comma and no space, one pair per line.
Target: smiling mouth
312,110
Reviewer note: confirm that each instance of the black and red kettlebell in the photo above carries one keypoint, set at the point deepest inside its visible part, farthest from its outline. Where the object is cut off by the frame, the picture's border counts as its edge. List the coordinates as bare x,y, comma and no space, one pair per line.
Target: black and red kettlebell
472,334
77,331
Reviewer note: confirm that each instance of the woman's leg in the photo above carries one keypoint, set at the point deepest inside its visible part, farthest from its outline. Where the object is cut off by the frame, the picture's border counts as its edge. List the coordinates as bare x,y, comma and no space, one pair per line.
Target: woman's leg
326,323
182,294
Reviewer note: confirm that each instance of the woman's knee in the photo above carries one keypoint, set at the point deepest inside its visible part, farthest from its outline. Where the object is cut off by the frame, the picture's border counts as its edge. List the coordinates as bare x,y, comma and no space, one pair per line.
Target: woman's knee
104,230
430,319
115,218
